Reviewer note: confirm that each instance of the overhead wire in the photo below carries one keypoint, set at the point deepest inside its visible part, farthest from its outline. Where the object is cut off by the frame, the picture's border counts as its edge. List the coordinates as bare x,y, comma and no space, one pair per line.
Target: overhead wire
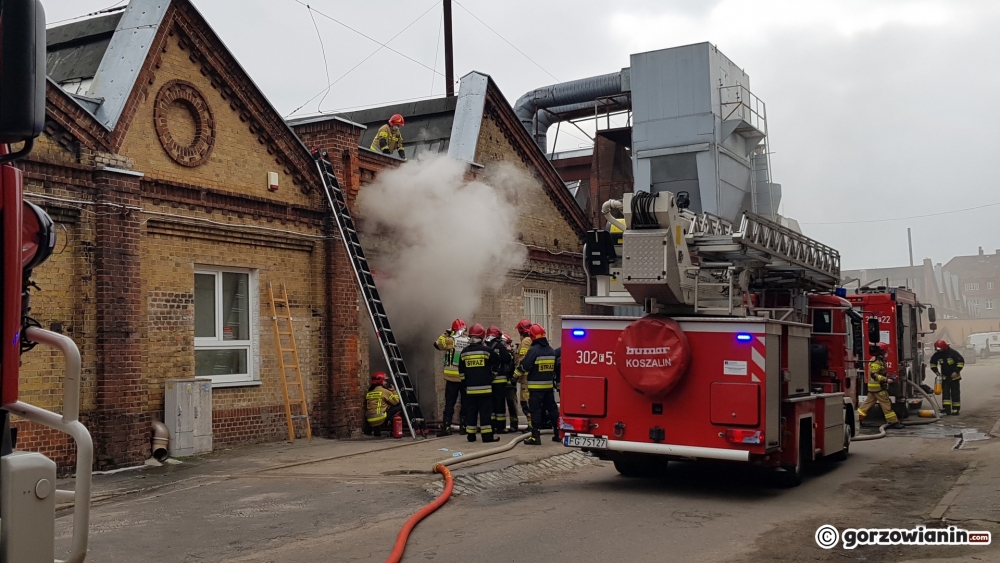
110,8
363,61
326,64
495,32
437,50
905,218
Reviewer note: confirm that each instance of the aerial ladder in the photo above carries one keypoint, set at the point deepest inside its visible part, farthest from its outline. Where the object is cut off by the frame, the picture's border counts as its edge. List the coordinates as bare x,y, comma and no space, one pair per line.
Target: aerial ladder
373,302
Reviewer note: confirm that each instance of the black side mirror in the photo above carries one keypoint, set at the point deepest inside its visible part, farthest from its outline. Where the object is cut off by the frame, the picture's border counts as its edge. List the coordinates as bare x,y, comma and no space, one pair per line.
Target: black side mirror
22,70
931,316
933,324
873,332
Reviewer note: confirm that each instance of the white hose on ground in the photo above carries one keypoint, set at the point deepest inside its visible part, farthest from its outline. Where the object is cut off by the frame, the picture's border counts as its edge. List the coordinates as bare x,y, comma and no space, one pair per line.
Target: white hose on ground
881,429
485,453
606,210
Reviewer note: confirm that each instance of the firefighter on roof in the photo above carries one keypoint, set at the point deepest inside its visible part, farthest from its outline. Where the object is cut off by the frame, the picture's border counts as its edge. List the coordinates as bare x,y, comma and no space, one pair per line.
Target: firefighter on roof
452,342
948,363
381,404
476,364
538,367
503,369
878,384
389,140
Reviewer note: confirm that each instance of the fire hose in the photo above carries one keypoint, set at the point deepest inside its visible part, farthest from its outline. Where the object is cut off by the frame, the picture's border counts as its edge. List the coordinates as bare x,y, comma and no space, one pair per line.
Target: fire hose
449,484
881,429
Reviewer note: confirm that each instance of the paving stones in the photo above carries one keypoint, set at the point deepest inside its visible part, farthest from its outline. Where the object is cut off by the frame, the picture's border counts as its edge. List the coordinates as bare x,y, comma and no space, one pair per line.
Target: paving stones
515,475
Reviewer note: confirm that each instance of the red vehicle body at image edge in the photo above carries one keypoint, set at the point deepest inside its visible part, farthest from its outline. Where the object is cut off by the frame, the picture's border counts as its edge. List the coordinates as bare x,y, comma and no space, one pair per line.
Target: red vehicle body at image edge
898,313
749,393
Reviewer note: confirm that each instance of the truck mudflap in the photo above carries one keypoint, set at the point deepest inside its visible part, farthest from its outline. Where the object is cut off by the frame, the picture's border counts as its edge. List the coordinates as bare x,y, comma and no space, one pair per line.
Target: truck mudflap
675,450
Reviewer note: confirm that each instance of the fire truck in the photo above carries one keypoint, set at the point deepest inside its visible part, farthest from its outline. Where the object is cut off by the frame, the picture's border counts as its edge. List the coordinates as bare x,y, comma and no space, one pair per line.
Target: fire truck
747,351
28,493
897,312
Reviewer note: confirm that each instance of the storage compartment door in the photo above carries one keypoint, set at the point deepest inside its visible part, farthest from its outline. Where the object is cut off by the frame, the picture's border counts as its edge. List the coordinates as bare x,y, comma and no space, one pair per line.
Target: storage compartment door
735,404
583,395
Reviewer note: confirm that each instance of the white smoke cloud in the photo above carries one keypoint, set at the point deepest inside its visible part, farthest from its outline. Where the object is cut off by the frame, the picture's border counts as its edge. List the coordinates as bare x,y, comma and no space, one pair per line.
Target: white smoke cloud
445,240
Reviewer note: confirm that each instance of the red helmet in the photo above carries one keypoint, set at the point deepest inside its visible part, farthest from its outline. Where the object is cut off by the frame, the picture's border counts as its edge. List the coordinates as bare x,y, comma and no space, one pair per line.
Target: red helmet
493,331
477,331
940,345
506,338
523,327
378,378
457,325
536,331
883,347
396,120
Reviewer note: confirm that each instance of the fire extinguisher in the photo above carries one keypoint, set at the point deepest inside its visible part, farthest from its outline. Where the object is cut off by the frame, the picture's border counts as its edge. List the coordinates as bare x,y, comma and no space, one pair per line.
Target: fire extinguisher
937,385
397,426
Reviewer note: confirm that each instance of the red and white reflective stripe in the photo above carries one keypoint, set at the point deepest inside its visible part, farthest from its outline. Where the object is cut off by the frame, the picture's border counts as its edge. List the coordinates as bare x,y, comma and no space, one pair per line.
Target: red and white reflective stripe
758,353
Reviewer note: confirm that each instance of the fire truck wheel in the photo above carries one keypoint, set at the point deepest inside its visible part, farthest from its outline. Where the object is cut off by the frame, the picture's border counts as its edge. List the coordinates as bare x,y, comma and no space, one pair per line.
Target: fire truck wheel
791,475
641,466
628,467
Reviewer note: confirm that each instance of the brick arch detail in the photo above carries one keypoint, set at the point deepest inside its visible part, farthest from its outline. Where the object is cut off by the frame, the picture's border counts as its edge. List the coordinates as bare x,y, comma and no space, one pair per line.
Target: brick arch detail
185,93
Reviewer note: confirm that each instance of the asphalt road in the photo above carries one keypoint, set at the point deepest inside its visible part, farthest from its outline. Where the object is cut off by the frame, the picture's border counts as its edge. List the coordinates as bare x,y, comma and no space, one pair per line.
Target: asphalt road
588,513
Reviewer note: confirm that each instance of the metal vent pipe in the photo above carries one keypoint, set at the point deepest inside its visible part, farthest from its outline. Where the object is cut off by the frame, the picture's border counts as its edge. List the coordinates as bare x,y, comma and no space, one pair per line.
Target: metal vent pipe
540,108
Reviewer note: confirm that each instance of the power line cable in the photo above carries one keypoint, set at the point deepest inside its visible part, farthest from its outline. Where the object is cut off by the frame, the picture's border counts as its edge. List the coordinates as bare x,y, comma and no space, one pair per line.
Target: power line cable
110,8
368,37
326,65
905,218
373,53
437,49
507,42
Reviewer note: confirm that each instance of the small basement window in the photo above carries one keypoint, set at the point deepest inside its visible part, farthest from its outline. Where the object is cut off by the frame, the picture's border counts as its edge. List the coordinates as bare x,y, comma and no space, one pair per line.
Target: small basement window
224,321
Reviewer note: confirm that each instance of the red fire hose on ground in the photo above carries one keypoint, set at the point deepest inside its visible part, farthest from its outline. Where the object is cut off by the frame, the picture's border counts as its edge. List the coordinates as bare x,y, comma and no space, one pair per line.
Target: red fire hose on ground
449,483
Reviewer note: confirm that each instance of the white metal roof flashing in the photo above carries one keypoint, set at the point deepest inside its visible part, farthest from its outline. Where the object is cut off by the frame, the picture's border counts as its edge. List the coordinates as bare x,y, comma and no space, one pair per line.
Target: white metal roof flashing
124,57
468,117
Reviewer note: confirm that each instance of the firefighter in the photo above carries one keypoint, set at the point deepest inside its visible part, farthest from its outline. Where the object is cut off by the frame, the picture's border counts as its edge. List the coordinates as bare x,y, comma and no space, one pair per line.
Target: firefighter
523,328
948,363
510,393
878,384
503,368
381,404
538,367
476,365
389,140
452,342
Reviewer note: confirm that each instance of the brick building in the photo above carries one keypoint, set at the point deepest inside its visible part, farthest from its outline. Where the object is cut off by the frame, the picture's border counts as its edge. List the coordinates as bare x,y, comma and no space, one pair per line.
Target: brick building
477,127
979,278
179,194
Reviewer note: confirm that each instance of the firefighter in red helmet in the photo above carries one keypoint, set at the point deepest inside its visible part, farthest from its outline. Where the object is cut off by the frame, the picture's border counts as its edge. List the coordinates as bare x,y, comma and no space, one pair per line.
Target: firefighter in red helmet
523,329
503,370
477,364
381,404
878,385
452,342
948,363
538,368
389,140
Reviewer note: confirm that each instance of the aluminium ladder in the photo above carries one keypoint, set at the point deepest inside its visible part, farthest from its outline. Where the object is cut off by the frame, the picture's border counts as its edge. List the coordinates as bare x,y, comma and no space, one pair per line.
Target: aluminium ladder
283,368
366,283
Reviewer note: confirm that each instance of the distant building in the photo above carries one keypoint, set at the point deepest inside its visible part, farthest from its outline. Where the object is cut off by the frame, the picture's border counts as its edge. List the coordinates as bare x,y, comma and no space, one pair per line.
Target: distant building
979,278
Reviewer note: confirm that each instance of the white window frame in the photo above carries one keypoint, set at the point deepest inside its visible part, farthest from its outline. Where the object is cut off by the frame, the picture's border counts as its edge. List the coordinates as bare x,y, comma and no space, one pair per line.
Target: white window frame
972,286
989,285
252,346
529,295
989,304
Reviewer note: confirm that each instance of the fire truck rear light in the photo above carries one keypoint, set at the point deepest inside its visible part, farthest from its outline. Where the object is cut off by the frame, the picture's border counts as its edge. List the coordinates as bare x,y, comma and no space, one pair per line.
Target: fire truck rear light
575,424
579,332
743,436
744,337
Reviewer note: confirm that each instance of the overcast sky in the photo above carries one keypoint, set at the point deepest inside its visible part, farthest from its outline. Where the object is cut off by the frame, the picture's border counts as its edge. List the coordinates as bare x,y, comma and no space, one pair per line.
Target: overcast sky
877,110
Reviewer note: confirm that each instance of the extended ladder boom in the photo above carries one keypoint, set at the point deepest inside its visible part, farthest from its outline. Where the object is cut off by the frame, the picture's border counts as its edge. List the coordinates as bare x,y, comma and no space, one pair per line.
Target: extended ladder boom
366,283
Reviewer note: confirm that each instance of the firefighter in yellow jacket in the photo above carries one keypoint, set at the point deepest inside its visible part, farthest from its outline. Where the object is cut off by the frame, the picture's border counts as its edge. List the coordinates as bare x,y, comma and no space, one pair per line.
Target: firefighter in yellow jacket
523,327
452,342
389,140
878,384
381,404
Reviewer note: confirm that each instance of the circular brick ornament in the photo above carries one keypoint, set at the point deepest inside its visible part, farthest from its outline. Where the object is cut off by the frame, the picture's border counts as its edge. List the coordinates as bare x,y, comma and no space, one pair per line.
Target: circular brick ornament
187,96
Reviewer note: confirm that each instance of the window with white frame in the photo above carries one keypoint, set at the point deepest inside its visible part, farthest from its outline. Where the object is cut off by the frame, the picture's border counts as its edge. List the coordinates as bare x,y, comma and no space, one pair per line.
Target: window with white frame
536,306
972,286
989,285
989,303
223,324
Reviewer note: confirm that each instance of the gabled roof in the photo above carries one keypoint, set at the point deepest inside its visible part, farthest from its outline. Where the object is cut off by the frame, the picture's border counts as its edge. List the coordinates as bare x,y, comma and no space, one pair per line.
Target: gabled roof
75,50
451,125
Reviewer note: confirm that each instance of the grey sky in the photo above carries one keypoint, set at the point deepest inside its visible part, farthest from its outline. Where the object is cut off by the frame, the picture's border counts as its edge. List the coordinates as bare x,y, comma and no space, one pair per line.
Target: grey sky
876,110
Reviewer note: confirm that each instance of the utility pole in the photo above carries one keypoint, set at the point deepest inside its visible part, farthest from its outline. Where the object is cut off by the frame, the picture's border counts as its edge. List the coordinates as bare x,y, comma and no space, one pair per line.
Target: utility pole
909,240
449,57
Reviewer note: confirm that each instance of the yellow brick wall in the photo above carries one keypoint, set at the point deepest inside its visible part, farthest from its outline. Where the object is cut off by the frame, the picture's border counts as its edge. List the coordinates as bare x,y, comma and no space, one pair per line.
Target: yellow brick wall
239,163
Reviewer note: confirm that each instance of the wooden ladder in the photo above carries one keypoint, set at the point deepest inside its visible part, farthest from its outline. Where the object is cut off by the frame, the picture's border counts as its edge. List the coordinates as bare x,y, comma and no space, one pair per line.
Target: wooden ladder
283,367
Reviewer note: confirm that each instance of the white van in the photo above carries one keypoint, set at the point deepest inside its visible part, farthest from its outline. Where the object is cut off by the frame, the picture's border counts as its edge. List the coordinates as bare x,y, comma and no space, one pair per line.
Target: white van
984,343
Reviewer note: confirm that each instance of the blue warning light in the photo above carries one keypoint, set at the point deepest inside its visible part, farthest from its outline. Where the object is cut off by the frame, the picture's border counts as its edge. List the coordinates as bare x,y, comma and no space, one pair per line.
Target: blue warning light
744,337
579,332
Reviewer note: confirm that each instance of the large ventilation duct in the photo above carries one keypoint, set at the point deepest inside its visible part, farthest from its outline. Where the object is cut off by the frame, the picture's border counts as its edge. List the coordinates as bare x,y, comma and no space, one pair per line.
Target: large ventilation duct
542,107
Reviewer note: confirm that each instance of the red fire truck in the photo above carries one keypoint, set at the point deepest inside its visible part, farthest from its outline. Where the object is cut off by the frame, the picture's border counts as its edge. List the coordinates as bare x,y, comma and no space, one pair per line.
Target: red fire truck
898,314
745,354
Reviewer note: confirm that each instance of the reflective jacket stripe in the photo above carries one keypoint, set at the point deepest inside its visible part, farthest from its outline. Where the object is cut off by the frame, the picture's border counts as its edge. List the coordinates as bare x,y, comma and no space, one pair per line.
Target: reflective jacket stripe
479,389
532,385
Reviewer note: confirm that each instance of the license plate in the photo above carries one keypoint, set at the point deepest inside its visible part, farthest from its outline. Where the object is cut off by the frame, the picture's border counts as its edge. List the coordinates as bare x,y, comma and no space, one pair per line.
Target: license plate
586,442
